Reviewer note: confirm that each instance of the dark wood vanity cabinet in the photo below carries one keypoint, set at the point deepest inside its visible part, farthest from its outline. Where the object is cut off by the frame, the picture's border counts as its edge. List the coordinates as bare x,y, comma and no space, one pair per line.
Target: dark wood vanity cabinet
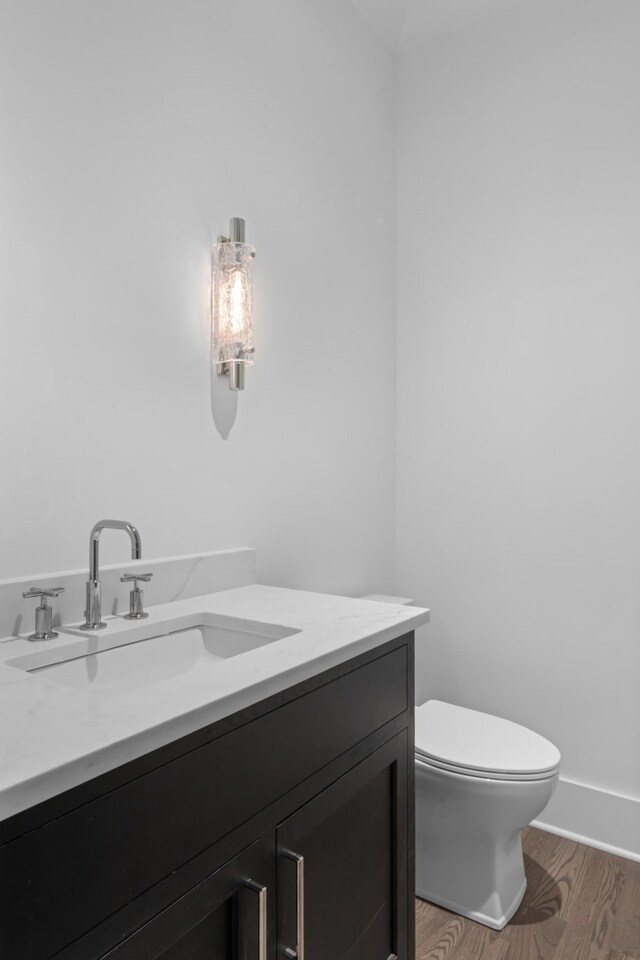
282,832
342,860
225,916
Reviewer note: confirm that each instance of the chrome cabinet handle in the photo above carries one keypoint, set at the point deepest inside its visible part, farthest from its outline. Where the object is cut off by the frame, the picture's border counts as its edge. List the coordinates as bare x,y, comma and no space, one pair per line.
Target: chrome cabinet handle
298,953
262,916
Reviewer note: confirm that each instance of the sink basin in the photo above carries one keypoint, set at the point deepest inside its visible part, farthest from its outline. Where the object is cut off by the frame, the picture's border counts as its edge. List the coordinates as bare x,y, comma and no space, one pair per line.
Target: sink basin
135,662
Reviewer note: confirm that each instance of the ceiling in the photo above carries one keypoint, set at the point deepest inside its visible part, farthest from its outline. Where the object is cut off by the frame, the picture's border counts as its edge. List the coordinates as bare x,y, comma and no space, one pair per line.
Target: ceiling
406,23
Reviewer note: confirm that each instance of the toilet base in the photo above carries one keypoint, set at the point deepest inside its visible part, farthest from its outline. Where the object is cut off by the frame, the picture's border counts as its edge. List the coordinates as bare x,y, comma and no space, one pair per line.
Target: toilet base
468,841
495,923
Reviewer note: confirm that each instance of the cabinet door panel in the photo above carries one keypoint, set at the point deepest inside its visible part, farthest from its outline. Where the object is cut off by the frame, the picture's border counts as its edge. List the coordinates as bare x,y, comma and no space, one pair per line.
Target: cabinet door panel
212,937
342,867
223,918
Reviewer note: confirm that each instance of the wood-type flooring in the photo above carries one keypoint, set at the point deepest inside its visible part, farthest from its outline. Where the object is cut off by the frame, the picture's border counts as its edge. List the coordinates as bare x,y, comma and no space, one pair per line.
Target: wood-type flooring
580,904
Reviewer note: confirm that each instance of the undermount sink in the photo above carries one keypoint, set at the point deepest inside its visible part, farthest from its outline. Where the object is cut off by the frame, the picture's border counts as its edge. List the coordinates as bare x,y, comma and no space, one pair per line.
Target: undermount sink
135,662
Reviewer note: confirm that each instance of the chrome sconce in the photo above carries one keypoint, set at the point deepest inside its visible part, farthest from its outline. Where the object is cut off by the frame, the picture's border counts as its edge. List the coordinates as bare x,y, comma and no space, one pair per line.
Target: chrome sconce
232,304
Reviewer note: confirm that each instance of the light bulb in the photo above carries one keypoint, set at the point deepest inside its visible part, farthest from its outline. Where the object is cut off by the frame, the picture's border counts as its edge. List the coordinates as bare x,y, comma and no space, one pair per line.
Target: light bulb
237,311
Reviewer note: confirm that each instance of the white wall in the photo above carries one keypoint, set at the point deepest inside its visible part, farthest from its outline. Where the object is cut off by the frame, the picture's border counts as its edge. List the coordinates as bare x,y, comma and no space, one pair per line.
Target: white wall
519,385
130,132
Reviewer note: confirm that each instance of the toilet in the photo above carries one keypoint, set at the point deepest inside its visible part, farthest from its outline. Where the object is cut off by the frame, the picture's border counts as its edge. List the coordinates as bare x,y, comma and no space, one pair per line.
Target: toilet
479,781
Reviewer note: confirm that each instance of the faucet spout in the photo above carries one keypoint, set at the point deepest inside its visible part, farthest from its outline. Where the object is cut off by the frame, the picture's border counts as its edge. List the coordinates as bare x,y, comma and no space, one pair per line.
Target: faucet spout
93,612
94,543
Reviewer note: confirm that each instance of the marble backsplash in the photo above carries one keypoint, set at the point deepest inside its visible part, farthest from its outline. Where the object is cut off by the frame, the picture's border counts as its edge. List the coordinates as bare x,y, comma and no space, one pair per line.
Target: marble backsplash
174,578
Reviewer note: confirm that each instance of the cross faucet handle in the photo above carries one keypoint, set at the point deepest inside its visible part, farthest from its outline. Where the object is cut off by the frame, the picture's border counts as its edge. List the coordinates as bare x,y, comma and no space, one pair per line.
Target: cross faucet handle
136,596
42,592
129,577
44,614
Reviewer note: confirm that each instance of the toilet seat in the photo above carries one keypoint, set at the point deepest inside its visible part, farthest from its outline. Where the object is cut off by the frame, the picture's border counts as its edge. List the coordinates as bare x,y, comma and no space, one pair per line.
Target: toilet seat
477,744
483,774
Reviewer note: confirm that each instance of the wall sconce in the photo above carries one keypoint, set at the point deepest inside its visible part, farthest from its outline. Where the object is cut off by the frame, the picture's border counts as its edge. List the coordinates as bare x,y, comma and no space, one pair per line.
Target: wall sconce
232,303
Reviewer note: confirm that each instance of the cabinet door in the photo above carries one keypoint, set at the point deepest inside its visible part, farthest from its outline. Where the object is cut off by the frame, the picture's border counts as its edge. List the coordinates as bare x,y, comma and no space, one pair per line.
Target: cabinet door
225,917
343,868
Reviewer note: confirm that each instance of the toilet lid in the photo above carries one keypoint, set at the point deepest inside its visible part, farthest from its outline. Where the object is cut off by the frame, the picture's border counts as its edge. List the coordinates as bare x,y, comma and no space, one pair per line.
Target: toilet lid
468,741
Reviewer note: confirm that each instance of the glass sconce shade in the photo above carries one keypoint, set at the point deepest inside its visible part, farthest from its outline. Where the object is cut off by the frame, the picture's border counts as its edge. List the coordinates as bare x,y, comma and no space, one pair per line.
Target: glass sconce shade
233,302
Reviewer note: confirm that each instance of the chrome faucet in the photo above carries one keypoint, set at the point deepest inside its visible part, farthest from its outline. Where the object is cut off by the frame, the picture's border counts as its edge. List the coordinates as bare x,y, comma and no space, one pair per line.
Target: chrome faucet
93,612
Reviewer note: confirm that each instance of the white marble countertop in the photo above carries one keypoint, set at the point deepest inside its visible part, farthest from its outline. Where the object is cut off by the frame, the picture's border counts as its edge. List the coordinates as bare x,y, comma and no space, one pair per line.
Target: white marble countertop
54,737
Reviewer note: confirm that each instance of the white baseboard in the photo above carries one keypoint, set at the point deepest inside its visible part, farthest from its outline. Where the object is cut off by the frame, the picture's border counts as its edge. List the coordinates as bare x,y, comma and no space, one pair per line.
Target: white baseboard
589,815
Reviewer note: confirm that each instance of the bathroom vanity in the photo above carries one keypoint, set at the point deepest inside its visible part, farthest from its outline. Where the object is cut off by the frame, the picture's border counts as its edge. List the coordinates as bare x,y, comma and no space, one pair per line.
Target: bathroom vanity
261,808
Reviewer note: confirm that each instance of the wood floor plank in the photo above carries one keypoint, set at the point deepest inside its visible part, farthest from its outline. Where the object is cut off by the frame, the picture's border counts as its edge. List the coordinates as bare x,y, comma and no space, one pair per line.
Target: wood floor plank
588,934
429,921
560,867
479,941
580,904
444,942
536,941
442,935
544,895
626,937
531,839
